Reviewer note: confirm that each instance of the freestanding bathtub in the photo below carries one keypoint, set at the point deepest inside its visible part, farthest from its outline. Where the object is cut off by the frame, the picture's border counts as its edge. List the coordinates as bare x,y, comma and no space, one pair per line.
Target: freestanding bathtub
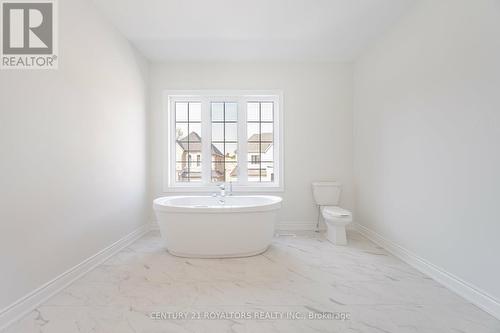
213,227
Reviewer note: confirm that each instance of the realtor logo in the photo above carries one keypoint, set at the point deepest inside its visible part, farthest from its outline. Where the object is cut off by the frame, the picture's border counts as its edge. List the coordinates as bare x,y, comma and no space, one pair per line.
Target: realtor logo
29,39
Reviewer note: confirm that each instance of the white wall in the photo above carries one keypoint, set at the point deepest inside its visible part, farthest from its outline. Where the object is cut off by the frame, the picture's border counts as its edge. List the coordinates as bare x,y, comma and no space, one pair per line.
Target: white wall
317,121
73,153
427,133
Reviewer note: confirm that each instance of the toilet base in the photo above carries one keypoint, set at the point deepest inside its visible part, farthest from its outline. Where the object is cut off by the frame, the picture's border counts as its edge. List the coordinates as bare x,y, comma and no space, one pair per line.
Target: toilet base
336,235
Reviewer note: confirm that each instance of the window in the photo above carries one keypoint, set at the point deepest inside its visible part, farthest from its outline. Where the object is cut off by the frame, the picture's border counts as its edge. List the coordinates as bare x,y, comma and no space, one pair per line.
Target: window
217,137
260,136
224,118
188,141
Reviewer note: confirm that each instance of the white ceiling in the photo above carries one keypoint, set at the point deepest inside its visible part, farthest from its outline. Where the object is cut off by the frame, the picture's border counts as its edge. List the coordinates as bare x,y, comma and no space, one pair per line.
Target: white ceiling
252,30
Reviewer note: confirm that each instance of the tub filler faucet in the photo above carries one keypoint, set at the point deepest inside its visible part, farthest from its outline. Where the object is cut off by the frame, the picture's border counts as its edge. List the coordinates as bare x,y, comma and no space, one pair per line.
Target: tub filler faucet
221,195
222,188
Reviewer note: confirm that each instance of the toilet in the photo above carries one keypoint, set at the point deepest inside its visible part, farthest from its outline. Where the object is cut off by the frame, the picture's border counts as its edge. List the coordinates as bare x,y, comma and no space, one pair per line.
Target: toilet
327,196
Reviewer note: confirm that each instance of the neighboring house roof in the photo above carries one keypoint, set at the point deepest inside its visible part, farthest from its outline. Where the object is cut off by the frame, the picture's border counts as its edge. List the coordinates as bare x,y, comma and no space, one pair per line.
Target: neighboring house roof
195,144
266,141
253,143
185,174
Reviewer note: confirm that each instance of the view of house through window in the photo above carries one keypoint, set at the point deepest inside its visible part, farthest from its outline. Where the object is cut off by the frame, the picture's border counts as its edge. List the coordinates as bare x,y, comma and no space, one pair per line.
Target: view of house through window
188,138
260,141
224,117
241,134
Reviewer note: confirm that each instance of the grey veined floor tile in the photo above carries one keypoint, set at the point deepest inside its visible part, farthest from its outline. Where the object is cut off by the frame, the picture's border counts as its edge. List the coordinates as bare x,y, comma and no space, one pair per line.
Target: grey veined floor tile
302,283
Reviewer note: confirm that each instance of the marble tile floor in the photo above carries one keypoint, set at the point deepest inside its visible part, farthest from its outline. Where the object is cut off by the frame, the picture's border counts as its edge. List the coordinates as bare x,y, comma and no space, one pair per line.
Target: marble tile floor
302,283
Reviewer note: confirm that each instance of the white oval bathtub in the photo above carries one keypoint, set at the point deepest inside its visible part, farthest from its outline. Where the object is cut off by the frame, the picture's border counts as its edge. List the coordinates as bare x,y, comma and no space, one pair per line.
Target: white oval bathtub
204,227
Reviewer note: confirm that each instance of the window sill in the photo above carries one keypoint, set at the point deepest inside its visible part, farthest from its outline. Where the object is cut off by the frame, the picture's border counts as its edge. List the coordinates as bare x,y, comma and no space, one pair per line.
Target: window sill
215,189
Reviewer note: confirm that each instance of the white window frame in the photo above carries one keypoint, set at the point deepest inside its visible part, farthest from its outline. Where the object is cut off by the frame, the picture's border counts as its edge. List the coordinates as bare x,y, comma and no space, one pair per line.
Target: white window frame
205,97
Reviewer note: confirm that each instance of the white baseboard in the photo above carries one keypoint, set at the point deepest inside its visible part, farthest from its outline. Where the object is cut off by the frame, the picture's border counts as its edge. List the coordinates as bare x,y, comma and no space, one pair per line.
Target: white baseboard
28,303
462,288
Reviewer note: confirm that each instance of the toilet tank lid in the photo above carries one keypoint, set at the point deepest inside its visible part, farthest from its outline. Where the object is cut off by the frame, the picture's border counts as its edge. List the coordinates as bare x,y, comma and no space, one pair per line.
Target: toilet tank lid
330,183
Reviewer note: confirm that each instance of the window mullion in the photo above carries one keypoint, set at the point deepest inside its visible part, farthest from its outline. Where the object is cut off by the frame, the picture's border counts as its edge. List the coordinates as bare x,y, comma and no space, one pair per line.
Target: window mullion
242,142
171,155
277,142
206,157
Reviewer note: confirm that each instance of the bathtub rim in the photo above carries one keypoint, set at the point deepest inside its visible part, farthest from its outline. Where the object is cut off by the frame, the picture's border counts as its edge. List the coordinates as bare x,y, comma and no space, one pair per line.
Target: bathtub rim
274,203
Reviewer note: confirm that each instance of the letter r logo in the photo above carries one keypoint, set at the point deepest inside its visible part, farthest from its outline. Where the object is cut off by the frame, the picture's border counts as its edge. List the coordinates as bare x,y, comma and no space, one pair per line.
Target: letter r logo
27,28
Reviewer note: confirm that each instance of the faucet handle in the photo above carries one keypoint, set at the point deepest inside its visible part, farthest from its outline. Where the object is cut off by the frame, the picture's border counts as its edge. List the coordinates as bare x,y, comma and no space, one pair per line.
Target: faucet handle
222,186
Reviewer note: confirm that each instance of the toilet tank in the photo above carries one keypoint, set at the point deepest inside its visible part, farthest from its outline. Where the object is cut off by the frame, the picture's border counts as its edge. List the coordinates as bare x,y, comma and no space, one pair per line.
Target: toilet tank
326,193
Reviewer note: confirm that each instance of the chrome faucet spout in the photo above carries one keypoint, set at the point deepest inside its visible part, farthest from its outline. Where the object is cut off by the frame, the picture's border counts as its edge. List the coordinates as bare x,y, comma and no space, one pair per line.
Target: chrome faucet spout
222,188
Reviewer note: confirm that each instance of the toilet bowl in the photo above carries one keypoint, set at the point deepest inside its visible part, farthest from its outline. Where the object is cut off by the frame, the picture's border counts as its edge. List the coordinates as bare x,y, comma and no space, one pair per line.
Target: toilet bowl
336,220
327,196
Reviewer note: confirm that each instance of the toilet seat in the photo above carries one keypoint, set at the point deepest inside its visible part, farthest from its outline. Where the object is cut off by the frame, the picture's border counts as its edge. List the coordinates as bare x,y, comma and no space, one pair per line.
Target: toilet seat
335,212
